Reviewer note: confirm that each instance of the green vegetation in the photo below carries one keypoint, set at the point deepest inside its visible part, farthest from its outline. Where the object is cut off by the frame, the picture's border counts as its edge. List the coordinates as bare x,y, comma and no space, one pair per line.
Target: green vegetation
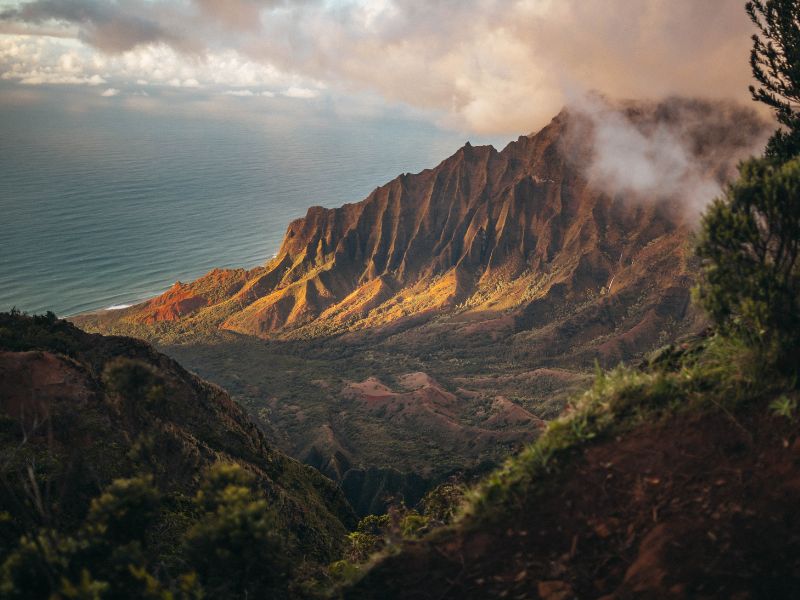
378,535
236,546
132,478
784,407
775,61
230,546
750,243
750,237
717,374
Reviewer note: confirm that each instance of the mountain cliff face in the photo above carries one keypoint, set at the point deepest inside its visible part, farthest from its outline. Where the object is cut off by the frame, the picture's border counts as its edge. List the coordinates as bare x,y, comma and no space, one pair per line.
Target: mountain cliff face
435,324
517,232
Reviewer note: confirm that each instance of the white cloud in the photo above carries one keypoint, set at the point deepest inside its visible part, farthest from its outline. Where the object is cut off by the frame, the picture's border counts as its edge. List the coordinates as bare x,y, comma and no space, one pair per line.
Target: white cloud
70,62
248,93
239,93
33,60
110,93
300,92
44,77
646,156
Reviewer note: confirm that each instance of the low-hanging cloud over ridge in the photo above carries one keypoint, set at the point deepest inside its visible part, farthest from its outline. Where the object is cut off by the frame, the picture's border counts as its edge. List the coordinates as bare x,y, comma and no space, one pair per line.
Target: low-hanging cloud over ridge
490,66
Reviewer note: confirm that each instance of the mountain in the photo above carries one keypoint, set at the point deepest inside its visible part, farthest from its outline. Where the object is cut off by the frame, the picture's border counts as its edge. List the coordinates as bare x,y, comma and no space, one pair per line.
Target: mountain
78,411
483,232
452,311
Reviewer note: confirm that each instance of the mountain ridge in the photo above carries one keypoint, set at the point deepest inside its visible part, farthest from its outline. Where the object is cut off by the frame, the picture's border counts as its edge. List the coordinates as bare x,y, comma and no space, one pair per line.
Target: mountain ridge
85,409
502,276
437,241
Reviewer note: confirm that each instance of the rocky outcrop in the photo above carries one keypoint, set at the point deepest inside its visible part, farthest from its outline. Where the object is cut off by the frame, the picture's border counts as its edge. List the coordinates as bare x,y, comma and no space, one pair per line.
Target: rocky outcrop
528,230
186,298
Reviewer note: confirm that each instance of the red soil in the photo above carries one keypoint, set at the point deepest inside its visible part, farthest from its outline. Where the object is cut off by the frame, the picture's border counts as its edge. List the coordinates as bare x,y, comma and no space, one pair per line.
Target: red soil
697,507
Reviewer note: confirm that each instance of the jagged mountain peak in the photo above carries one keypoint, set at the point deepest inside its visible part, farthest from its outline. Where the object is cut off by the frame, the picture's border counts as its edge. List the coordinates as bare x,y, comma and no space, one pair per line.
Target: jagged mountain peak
558,216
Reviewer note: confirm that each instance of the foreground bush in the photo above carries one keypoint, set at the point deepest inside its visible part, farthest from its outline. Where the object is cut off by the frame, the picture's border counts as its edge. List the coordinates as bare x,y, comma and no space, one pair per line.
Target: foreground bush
750,242
231,550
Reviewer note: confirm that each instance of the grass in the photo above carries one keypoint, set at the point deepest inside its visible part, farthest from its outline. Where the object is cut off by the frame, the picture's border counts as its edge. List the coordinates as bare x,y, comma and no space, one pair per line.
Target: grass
718,374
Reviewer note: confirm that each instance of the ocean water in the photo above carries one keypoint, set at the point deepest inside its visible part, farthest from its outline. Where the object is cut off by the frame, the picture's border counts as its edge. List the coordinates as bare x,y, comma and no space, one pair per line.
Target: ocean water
106,208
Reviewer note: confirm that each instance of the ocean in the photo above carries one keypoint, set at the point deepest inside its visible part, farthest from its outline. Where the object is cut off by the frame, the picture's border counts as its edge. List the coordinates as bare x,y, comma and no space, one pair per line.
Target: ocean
105,208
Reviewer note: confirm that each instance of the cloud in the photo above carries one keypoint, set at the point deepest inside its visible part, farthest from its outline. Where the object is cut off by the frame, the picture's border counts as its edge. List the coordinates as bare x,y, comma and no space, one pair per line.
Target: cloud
34,59
44,78
491,66
499,66
300,92
110,93
248,93
239,93
677,149
109,26
237,15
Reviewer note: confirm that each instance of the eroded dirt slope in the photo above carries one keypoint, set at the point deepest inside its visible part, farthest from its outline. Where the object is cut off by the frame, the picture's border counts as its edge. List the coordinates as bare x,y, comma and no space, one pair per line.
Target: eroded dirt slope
698,506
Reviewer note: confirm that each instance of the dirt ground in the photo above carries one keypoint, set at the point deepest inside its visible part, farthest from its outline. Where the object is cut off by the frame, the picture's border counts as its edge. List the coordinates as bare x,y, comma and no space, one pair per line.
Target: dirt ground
701,506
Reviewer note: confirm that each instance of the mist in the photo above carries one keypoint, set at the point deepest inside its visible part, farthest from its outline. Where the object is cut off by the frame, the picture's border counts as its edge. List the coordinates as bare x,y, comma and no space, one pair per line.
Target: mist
664,151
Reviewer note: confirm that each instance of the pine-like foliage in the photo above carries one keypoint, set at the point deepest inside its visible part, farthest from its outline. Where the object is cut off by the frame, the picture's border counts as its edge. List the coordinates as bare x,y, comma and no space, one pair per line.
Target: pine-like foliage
775,61
750,243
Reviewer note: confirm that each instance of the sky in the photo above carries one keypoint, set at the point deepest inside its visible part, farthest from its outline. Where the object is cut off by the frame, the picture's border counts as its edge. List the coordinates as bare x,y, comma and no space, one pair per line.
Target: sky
490,67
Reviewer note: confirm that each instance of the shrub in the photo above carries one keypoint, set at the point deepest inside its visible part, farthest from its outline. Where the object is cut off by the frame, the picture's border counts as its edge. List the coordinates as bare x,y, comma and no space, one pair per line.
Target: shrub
784,407
749,242
134,381
106,557
236,548
124,510
360,546
775,62
442,503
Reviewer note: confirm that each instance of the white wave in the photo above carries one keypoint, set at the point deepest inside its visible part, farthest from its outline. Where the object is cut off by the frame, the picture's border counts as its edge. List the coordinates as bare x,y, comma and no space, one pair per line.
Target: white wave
119,306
